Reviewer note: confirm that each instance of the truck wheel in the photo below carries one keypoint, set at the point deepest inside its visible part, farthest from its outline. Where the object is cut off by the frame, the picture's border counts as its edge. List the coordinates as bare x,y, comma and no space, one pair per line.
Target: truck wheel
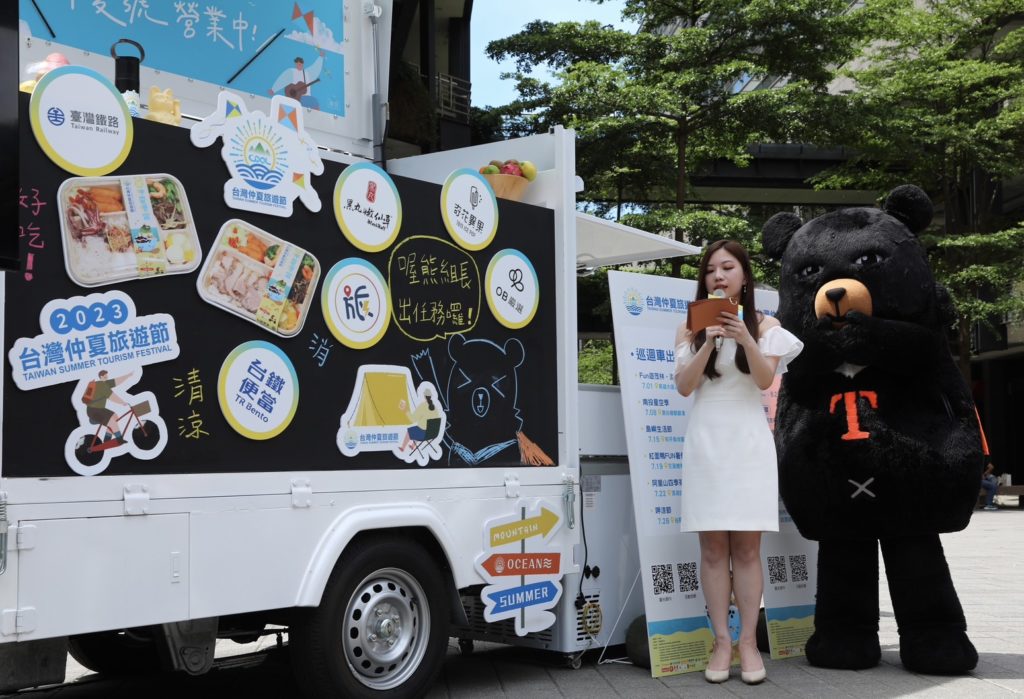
115,653
381,627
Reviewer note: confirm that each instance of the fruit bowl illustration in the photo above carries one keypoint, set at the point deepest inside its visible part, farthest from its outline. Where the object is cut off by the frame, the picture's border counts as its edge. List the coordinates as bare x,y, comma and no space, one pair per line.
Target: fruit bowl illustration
508,179
507,186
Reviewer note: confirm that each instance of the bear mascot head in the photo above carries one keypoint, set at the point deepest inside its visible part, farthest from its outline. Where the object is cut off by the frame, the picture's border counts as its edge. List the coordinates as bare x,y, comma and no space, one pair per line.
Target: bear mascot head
877,436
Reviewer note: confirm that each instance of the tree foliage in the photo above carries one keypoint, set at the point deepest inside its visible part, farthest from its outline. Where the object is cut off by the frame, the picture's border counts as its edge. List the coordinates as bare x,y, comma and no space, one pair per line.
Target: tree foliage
939,101
652,106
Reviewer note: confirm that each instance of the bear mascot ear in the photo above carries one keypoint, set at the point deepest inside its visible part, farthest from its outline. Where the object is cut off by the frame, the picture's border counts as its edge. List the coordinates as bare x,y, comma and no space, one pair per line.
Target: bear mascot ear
777,231
911,205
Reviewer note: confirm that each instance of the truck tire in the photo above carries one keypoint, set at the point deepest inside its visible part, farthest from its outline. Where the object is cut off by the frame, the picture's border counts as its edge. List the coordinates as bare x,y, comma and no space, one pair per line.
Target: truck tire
115,653
381,628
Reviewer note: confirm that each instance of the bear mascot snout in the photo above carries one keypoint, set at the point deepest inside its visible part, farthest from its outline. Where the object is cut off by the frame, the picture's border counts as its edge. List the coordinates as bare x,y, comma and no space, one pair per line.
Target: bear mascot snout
877,435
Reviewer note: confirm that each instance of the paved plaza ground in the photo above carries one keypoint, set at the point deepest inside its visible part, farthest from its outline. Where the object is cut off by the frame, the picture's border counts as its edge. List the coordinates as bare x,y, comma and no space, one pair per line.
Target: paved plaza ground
986,559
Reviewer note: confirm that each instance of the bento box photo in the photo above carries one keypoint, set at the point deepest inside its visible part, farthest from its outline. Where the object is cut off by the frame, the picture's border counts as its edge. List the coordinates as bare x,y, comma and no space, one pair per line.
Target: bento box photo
127,227
260,277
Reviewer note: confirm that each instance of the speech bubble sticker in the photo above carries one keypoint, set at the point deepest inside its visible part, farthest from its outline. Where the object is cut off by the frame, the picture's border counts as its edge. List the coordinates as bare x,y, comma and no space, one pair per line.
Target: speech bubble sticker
435,288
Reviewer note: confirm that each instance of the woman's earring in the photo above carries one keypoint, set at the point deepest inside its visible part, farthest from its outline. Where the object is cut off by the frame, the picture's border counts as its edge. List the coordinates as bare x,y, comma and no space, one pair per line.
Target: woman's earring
744,291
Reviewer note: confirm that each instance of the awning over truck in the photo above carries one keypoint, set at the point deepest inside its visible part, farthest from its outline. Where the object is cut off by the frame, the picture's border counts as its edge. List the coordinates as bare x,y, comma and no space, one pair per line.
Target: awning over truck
600,242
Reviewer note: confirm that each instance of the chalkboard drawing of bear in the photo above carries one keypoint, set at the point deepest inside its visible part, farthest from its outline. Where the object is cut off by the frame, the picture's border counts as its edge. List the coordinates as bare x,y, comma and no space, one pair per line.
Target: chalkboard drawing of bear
481,401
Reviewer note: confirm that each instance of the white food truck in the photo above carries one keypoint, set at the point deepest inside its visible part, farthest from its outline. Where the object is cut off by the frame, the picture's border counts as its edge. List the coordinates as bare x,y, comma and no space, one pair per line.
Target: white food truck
334,399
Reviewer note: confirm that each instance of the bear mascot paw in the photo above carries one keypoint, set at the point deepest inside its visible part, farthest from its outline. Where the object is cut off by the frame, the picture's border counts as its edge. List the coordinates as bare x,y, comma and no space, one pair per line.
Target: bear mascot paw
877,435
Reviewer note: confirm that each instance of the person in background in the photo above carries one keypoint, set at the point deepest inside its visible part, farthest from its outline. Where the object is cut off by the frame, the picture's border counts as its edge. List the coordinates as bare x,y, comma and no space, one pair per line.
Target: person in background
989,483
730,472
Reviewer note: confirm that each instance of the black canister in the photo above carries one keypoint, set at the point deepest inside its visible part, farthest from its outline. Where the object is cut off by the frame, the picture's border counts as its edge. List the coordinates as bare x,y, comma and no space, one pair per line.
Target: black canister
126,68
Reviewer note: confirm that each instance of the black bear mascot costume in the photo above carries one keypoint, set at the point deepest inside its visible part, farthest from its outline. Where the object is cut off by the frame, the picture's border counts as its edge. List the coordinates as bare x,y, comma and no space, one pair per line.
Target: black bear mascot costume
877,435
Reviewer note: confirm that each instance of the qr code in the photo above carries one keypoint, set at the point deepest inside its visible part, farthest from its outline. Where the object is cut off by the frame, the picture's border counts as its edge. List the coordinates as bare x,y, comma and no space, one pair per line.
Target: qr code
664,583
777,570
798,567
687,576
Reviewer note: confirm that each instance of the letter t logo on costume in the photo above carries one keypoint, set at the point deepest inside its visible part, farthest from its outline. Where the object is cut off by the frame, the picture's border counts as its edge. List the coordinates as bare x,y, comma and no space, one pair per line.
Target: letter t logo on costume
849,398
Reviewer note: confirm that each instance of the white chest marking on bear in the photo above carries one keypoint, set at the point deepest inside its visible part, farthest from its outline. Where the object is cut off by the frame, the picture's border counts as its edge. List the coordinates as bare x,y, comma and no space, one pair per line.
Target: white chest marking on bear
861,487
848,370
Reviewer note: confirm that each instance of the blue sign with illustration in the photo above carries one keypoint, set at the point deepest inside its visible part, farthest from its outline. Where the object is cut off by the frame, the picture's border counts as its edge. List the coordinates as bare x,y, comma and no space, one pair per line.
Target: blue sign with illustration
298,50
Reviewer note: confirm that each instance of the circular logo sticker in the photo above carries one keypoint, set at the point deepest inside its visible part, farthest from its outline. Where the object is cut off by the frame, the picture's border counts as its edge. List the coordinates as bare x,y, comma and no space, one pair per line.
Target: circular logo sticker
258,390
80,121
469,209
513,292
367,207
356,303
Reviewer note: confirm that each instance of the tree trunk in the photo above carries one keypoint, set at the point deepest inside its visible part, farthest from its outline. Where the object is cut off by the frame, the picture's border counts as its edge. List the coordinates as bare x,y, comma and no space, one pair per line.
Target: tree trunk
955,214
682,136
964,348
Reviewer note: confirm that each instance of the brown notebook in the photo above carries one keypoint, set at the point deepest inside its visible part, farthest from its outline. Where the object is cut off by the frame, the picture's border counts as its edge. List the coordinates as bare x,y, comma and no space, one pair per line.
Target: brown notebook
705,312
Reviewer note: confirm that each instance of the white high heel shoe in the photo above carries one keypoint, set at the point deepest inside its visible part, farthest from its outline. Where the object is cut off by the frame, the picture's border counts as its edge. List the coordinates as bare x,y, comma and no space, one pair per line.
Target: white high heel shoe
754,676
716,676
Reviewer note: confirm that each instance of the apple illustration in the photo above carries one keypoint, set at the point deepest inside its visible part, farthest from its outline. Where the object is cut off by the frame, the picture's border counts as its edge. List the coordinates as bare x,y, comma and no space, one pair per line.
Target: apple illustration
511,169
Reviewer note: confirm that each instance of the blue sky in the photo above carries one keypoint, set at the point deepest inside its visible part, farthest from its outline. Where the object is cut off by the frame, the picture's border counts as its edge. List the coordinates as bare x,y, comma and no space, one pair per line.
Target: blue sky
497,19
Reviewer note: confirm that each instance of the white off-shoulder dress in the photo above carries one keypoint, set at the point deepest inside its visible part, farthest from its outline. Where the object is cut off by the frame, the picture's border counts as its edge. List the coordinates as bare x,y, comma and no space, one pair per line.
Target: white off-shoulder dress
730,471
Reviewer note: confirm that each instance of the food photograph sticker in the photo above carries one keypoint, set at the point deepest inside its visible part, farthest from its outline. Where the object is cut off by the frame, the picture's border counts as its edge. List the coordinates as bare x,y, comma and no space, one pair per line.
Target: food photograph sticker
513,290
469,209
356,303
367,207
131,227
259,277
258,390
80,121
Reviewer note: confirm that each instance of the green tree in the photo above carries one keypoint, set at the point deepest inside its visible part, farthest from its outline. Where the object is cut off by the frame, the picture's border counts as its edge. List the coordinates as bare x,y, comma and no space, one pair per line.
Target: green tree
939,101
650,107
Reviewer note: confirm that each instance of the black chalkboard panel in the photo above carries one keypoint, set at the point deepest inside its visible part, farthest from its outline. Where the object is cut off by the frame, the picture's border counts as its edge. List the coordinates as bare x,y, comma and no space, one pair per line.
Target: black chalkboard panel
516,368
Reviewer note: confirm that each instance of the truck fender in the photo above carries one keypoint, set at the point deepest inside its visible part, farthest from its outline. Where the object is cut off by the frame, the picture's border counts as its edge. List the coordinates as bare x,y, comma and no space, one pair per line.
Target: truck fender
363,519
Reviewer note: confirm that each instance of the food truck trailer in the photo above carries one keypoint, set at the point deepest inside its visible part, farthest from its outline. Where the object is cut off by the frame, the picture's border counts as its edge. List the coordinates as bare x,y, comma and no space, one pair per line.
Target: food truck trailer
270,384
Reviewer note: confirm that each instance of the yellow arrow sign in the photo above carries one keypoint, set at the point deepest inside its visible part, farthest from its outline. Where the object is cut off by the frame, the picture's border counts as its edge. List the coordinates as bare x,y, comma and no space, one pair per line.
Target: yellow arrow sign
540,525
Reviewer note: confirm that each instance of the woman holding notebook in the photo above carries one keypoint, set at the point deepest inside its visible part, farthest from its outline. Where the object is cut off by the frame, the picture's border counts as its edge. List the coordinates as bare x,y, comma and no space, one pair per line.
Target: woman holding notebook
730,472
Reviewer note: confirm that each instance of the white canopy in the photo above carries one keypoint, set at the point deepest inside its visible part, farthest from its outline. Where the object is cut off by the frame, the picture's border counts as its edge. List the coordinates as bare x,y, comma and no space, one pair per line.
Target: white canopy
600,242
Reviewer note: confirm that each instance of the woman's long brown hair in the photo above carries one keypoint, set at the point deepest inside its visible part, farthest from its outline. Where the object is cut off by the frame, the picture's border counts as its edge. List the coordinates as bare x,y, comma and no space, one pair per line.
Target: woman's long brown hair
749,309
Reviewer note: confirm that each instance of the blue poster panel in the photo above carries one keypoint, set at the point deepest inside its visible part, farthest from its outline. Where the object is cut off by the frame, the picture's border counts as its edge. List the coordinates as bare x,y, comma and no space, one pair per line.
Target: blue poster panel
298,47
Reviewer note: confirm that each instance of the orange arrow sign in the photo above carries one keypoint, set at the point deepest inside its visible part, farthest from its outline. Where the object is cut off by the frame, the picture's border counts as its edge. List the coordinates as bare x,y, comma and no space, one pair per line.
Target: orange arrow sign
523,564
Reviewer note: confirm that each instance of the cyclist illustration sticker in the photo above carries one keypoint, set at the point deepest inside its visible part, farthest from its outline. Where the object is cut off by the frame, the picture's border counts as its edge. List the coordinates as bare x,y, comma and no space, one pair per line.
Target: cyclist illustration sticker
99,342
387,413
113,422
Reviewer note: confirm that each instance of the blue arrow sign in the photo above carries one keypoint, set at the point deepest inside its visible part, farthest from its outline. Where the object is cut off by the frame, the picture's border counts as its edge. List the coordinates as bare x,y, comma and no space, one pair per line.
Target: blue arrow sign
524,596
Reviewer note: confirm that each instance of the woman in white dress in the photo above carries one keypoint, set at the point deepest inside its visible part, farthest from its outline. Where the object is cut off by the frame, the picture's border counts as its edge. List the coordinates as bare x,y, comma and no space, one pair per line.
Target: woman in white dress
730,471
